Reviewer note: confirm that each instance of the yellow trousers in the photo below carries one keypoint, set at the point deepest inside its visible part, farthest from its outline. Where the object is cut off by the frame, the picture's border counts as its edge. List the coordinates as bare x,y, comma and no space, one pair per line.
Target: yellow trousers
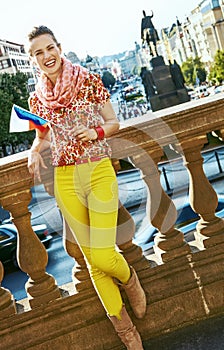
87,195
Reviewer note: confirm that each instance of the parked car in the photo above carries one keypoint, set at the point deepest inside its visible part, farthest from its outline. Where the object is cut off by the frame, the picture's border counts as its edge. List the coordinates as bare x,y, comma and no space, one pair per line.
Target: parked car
219,89
8,240
201,91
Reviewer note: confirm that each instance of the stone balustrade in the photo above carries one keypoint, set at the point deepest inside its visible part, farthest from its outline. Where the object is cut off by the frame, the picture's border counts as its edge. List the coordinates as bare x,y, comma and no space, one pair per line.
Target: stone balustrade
183,286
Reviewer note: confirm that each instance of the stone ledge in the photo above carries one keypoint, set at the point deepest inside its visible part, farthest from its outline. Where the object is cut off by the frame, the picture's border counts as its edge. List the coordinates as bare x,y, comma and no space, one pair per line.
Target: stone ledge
79,321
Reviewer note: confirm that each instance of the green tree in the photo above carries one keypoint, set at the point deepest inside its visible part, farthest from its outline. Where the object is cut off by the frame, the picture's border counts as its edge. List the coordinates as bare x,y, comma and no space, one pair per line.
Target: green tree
192,69
13,89
108,79
216,74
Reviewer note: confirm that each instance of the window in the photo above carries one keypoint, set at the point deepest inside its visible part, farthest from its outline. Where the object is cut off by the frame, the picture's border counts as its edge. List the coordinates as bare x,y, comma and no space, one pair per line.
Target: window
4,64
215,3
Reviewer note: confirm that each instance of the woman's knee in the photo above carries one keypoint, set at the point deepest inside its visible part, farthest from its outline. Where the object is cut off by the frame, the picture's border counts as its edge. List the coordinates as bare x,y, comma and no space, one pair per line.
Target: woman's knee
104,259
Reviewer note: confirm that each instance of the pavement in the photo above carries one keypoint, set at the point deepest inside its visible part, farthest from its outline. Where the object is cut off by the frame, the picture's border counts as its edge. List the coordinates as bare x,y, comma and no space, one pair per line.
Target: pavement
205,335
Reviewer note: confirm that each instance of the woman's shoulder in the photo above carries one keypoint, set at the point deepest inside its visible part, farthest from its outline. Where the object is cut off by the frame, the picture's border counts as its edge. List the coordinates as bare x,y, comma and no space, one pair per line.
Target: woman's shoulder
95,77
93,81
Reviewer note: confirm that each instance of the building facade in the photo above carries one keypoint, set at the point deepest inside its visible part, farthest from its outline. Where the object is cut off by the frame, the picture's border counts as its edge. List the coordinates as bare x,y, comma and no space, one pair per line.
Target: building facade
13,58
213,24
200,34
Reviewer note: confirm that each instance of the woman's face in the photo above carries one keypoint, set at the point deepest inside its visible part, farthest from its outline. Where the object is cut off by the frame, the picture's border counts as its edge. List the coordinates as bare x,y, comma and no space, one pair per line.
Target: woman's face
46,54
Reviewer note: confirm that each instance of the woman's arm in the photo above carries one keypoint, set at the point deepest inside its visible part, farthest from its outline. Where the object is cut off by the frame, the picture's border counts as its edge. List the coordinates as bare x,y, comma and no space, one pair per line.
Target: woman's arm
111,123
35,160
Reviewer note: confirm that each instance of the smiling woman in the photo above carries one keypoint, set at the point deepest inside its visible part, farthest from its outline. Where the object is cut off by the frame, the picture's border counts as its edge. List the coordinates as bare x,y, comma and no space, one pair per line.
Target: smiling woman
80,116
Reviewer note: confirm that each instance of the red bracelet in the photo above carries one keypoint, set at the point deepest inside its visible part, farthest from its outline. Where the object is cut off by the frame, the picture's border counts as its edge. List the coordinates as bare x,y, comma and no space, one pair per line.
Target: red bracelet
100,132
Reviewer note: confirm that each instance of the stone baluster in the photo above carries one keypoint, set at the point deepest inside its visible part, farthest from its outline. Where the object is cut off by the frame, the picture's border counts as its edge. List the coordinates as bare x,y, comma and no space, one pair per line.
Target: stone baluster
169,242
202,196
7,302
31,253
15,196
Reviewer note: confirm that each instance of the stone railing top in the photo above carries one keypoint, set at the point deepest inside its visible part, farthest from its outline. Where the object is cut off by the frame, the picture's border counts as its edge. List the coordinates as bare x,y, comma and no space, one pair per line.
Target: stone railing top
13,158
14,174
169,126
183,109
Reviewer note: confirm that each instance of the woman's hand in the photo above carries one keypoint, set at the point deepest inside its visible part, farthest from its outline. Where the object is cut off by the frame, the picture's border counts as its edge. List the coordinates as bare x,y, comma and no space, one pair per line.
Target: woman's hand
35,162
82,133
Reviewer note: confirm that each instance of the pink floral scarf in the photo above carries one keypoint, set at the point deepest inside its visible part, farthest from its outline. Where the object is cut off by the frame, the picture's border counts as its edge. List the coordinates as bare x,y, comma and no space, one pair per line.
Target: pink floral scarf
66,88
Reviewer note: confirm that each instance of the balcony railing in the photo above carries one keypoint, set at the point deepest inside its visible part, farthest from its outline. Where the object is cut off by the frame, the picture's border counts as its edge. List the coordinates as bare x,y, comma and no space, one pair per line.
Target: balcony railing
184,286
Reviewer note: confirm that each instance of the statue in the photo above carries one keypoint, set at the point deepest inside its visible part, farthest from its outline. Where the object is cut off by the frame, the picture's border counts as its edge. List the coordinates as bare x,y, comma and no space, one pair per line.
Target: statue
148,83
89,59
149,34
137,47
177,75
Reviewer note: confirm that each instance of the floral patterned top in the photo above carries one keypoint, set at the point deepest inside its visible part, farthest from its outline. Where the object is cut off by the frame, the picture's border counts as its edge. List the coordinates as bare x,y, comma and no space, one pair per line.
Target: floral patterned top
84,108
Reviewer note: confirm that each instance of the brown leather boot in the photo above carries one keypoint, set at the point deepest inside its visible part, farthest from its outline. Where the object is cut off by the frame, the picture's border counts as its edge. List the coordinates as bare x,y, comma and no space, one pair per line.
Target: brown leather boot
127,331
135,294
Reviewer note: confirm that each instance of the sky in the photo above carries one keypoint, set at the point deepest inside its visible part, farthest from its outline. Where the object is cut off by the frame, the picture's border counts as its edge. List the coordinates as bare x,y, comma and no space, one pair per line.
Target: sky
93,27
